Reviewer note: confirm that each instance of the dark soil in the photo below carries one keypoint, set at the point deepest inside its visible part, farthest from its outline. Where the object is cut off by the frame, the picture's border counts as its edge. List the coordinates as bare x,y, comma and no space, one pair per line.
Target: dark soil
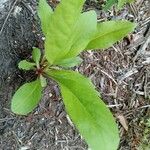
121,74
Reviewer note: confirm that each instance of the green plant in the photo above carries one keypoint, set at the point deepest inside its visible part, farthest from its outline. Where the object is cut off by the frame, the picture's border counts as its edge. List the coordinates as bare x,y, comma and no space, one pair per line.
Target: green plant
120,3
68,32
145,141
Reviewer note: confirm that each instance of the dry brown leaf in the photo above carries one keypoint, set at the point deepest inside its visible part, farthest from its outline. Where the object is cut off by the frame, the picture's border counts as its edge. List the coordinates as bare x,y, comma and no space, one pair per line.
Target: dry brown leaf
123,121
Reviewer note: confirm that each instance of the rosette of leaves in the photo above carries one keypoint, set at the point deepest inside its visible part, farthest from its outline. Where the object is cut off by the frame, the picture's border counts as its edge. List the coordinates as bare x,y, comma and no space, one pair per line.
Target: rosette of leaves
68,32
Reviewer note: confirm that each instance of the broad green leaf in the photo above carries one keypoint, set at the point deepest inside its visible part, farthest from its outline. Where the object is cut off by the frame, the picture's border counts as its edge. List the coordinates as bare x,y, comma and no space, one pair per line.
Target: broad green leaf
25,65
61,29
88,112
26,98
45,12
110,32
69,62
43,81
36,54
109,4
83,32
122,2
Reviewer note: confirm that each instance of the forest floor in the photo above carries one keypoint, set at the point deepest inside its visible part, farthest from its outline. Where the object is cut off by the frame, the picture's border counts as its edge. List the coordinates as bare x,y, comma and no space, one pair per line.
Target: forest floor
121,74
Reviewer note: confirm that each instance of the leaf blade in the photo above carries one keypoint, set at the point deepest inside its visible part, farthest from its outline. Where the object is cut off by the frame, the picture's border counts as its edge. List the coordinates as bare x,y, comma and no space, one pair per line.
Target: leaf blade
122,2
83,33
70,62
25,65
44,12
43,81
110,32
26,98
36,55
59,38
109,4
86,110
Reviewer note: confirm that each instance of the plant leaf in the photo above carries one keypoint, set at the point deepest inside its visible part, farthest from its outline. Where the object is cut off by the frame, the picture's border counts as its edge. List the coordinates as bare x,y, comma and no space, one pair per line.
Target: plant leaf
122,2
25,65
61,28
43,81
109,4
36,54
110,32
44,12
83,33
26,98
90,115
70,62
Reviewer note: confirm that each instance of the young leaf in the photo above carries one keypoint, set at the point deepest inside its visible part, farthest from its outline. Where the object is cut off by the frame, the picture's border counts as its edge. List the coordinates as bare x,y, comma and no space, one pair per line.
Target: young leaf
25,65
45,12
90,115
36,54
61,28
43,81
109,4
26,98
84,30
122,2
110,32
70,62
